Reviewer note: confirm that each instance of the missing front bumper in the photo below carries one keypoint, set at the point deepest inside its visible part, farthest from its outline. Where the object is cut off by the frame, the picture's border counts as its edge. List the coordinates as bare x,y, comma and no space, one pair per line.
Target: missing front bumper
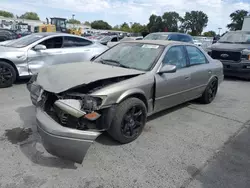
63,142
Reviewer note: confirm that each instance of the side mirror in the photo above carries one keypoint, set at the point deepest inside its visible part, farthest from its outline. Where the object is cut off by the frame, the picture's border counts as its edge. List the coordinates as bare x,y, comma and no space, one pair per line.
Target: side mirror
168,69
40,47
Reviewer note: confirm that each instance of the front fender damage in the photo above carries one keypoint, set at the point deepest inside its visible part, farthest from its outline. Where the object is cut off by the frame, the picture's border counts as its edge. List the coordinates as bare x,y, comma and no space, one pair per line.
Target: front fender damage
68,122
63,142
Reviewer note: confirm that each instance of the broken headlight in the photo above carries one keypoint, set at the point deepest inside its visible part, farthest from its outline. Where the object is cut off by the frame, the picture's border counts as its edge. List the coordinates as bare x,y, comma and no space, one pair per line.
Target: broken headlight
85,107
91,103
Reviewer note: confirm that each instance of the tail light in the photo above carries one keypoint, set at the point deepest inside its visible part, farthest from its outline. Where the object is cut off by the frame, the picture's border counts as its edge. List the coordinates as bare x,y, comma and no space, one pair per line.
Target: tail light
19,36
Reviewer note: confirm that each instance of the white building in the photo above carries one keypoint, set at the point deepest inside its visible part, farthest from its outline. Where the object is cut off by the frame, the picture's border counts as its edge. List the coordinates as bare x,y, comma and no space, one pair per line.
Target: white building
10,23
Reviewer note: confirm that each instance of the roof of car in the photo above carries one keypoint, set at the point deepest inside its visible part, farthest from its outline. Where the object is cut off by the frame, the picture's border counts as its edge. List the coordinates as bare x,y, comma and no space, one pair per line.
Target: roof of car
157,42
169,33
53,33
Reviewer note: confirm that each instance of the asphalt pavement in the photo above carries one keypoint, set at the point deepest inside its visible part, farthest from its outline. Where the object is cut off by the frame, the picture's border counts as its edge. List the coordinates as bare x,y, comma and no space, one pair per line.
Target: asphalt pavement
189,146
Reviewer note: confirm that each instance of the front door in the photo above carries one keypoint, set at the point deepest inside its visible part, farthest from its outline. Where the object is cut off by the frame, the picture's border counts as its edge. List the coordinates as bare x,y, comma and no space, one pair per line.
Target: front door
50,56
77,49
172,88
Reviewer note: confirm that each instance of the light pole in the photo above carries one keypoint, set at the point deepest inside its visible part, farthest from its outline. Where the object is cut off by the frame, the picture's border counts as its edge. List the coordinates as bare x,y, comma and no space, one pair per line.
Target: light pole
219,30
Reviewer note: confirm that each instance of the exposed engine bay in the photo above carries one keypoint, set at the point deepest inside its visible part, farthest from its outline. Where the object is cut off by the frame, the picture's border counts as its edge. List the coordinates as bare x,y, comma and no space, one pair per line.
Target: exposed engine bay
76,108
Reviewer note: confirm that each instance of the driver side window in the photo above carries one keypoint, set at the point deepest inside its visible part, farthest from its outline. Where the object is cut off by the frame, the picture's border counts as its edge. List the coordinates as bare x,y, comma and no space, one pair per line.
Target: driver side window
55,42
176,56
115,39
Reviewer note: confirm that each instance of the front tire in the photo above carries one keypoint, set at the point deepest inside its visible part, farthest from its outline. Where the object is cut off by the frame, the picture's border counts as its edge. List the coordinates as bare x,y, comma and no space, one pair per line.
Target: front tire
210,92
7,74
129,120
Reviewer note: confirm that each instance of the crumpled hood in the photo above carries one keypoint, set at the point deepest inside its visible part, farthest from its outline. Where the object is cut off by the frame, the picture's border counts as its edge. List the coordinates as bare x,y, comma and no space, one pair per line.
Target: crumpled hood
229,47
59,78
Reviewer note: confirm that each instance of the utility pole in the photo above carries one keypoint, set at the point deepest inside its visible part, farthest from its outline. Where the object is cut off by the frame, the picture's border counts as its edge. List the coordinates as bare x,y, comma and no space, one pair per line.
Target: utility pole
219,30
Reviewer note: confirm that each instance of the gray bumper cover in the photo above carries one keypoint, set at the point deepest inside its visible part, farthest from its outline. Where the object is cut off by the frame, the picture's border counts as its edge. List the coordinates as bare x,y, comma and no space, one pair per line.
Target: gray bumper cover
63,142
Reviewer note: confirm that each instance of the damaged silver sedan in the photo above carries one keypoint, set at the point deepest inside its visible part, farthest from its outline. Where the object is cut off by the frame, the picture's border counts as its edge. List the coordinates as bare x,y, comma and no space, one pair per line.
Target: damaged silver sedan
117,91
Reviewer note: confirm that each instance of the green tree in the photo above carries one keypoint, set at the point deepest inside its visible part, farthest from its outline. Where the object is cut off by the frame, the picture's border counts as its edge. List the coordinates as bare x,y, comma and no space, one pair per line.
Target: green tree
30,16
6,14
209,34
237,19
138,28
100,24
73,21
155,23
116,28
125,27
194,22
170,21
87,23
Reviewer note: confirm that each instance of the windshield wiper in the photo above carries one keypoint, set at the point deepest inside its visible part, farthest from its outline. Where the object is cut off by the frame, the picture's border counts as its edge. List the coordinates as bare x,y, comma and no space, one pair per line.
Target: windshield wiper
226,42
110,60
114,61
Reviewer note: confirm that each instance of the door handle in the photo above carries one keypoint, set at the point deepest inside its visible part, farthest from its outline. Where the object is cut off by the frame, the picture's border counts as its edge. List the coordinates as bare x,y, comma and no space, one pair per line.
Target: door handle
187,77
209,72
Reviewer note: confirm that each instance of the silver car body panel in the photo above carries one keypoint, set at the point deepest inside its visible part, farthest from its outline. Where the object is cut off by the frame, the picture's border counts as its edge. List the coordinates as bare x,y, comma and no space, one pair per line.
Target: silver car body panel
28,61
158,91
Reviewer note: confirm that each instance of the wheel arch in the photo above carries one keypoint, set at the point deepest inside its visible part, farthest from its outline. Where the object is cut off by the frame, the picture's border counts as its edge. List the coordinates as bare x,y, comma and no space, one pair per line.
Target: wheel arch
12,64
136,93
212,77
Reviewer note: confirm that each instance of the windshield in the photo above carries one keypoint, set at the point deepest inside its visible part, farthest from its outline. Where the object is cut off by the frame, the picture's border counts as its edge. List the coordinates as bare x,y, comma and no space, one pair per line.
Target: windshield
154,36
132,55
24,41
235,37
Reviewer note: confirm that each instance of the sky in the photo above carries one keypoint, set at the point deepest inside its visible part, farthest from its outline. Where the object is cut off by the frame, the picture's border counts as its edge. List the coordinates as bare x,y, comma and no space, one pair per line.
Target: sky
115,12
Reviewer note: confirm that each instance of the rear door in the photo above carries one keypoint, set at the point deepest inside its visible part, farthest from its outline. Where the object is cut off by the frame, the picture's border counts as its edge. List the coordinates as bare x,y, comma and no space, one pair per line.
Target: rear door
173,88
77,49
52,55
199,68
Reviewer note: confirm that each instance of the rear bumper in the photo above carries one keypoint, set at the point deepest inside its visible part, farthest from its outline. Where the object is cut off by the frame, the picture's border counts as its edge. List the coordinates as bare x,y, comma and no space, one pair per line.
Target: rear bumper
63,142
241,69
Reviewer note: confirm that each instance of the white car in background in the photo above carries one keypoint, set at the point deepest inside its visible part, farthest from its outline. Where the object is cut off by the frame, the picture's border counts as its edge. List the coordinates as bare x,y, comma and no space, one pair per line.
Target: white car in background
197,42
110,44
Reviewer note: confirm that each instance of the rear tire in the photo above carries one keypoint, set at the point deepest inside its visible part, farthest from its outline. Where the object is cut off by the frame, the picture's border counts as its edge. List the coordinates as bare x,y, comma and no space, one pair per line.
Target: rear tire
129,120
210,92
7,75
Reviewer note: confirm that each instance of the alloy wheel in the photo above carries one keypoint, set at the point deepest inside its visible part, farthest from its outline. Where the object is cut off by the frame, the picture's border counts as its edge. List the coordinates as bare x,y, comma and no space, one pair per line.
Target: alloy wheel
132,122
212,90
5,74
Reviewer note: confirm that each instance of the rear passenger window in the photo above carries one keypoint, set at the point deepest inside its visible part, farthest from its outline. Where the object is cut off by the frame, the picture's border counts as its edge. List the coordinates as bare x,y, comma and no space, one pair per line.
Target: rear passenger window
196,57
184,38
173,37
75,42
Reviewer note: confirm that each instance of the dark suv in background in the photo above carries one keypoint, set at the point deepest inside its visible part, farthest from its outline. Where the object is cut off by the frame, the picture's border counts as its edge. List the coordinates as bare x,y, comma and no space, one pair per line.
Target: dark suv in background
233,50
182,37
7,34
